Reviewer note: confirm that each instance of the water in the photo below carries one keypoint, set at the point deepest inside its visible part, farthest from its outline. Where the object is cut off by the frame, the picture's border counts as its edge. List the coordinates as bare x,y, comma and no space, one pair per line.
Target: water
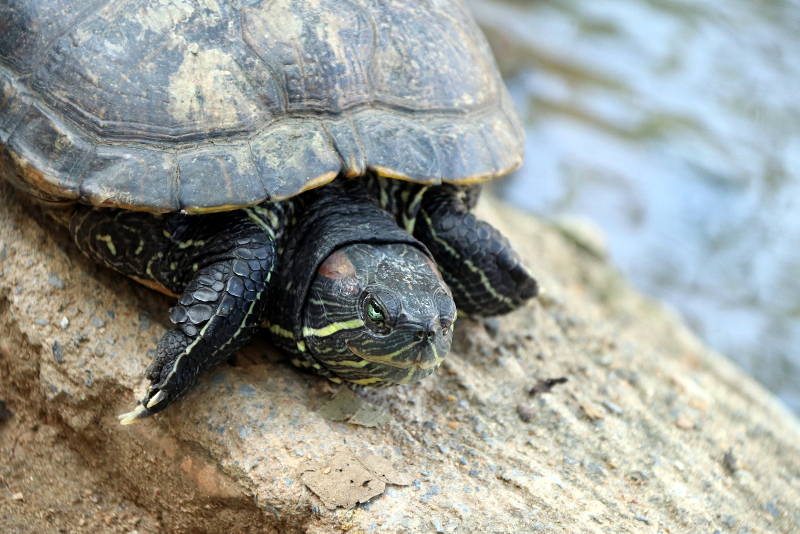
675,125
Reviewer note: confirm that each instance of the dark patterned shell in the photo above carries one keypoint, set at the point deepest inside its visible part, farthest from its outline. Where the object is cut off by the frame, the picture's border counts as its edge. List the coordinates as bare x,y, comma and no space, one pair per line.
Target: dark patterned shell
206,105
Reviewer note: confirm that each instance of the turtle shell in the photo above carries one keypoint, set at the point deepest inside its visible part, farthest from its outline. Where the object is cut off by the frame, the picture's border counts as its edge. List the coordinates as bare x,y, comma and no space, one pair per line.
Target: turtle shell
207,105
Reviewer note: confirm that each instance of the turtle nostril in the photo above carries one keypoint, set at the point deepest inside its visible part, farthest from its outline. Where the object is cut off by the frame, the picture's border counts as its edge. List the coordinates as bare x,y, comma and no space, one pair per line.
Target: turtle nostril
421,334
431,333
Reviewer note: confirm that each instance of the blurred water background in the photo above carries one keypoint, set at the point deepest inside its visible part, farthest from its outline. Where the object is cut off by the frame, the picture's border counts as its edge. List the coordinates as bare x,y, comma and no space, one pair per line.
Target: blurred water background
675,126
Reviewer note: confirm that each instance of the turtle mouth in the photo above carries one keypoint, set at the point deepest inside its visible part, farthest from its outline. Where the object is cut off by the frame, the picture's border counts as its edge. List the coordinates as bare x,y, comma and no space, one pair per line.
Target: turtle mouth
419,362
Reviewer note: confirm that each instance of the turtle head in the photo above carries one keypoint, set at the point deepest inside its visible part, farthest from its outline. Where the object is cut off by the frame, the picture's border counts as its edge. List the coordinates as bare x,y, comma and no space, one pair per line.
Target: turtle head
379,315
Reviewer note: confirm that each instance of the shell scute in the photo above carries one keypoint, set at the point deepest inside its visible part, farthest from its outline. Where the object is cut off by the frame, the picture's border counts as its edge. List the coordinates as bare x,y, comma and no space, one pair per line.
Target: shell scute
204,105
293,156
319,50
397,147
132,178
222,168
46,154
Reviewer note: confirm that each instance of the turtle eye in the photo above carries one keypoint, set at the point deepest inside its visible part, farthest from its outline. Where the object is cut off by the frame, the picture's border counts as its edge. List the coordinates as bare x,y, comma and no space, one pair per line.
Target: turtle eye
375,316
378,308
447,310
375,313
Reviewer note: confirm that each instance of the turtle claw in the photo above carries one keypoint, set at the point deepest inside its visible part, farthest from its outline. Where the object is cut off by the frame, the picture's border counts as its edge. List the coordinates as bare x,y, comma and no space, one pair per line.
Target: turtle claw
140,412
144,409
158,397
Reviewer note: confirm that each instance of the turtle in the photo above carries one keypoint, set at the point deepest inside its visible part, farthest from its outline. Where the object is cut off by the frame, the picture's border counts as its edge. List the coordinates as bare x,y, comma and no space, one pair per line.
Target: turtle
306,166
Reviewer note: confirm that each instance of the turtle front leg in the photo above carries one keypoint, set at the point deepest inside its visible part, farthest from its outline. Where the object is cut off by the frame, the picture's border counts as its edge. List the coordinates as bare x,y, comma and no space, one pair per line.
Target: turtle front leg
219,264
486,275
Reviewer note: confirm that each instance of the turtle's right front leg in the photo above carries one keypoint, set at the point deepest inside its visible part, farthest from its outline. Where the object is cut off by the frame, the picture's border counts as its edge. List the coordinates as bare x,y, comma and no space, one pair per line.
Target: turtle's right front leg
219,264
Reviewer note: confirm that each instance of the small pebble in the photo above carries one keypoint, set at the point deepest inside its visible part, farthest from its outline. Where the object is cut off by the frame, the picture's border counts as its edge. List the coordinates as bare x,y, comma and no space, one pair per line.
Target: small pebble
5,413
144,322
613,408
55,281
729,461
41,322
432,492
58,352
17,497
64,323
594,468
97,322
429,425
774,512
641,518
526,412
684,422
492,325
444,449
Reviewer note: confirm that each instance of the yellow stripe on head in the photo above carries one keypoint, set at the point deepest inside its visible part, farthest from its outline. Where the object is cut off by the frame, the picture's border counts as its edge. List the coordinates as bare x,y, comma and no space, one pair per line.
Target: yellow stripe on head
332,328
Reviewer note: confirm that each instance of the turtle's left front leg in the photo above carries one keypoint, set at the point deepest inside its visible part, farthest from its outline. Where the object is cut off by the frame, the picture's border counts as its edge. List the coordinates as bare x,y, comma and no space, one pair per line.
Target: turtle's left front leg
486,275
219,264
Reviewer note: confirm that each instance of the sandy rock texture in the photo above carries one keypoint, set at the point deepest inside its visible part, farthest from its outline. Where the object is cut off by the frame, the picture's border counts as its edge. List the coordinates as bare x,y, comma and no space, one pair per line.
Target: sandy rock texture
652,432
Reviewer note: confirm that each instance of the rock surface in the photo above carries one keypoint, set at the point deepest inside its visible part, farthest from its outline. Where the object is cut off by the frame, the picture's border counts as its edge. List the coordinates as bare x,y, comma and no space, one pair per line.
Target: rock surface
652,432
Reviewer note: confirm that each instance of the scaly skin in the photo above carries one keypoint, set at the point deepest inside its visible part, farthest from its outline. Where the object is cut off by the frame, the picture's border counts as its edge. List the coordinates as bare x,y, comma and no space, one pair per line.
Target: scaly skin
379,315
219,264
344,286
486,275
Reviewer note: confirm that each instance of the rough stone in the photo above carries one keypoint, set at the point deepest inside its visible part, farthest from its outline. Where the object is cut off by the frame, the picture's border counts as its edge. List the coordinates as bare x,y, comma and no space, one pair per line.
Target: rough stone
230,456
55,281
